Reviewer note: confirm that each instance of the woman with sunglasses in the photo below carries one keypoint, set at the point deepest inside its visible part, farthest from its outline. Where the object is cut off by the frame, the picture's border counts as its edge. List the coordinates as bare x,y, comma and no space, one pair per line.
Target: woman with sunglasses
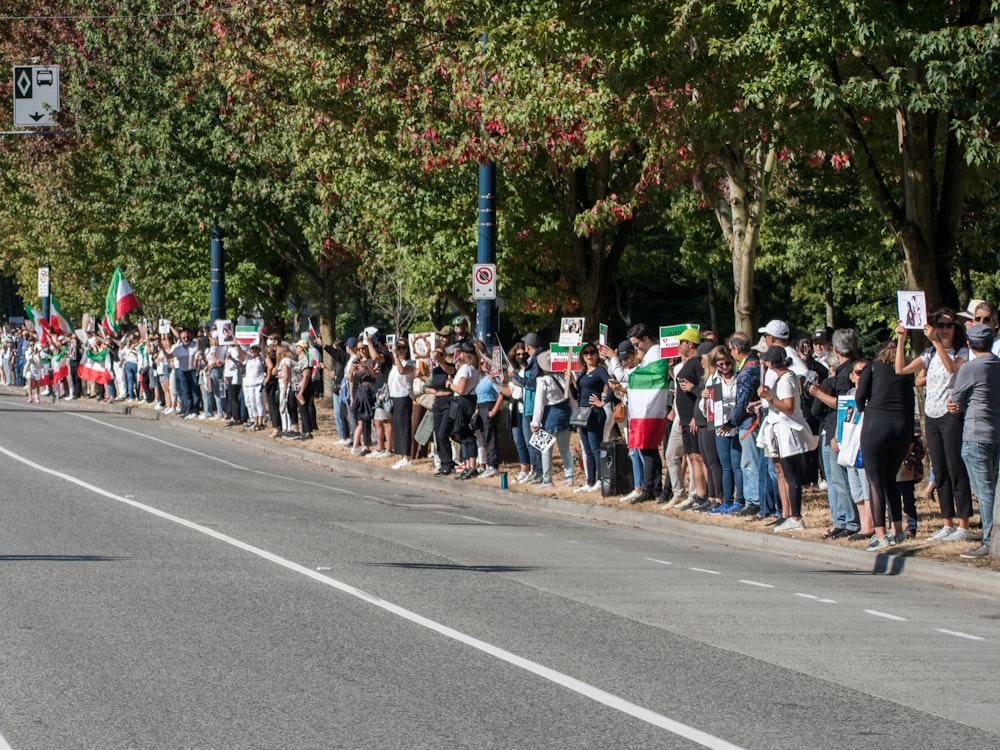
941,360
590,388
720,391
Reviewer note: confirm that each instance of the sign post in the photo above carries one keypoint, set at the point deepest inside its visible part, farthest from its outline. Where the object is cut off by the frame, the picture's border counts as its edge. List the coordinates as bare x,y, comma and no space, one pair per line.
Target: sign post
44,289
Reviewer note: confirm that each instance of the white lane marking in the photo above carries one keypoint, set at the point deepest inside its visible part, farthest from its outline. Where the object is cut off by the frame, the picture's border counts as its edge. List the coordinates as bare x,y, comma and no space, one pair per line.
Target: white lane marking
4,745
886,615
570,683
960,635
817,599
661,562
572,541
703,570
758,583
467,518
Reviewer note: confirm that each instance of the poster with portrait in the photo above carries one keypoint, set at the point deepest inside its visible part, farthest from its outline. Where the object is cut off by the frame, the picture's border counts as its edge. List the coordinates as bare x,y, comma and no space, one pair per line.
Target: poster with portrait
669,345
912,309
848,432
422,344
224,331
571,332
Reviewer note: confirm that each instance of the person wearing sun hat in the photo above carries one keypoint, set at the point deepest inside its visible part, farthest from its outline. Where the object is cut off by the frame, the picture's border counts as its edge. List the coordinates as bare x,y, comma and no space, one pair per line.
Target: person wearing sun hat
974,395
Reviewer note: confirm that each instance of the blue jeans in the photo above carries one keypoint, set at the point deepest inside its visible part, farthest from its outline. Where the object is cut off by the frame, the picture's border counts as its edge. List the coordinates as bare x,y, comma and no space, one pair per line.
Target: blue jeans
636,457
520,438
770,500
535,456
590,439
339,418
730,456
186,385
983,460
843,511
131,380
750,466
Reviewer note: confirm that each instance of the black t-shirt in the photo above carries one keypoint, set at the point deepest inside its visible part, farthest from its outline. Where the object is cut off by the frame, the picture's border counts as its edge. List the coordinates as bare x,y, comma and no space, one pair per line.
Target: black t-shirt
686,401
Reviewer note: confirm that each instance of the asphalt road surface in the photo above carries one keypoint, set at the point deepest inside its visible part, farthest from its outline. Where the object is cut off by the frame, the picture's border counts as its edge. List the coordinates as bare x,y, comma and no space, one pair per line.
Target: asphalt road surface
164,587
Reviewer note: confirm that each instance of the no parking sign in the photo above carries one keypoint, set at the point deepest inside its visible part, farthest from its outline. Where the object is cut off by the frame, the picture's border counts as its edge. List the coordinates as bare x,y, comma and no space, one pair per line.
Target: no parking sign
484,281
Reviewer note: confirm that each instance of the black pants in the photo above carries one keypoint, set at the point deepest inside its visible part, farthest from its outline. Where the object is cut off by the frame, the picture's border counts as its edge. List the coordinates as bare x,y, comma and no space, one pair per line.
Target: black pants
489,434
951,480
307,411
713,466
885,441
273,408
402,411
793,470
442,432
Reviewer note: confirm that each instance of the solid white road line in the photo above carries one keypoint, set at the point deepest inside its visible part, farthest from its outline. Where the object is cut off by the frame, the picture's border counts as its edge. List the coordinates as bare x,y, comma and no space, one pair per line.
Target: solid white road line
758,583
661,562
589,691
703,570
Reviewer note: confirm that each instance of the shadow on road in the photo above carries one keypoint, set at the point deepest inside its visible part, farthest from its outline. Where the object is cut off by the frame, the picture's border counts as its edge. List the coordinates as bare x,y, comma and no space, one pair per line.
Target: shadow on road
452,566
59,558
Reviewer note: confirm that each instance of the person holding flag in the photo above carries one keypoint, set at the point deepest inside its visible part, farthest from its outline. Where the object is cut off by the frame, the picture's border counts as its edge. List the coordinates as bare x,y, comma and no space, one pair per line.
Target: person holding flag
647,408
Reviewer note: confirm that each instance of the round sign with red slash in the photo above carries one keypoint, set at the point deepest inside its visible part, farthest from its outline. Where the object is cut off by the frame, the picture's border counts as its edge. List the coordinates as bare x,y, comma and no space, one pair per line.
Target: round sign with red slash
484,281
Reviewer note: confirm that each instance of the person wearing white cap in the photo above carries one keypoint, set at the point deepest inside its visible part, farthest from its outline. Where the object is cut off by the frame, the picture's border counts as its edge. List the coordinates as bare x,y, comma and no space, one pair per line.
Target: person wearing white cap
777,333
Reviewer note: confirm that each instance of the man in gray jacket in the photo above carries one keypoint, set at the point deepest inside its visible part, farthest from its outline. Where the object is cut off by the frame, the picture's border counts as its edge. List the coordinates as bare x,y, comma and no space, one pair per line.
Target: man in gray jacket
977,385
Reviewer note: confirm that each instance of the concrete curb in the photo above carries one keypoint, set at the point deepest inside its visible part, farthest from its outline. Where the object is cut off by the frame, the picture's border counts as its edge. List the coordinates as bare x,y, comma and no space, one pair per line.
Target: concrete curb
894,563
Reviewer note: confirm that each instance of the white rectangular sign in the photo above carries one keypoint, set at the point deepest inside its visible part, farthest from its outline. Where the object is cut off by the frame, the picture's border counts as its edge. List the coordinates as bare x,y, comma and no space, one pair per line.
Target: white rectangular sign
43,282
36,96
484,281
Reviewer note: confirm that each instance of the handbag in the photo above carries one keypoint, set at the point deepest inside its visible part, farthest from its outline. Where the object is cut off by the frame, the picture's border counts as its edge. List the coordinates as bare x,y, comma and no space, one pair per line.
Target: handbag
581,416
516,391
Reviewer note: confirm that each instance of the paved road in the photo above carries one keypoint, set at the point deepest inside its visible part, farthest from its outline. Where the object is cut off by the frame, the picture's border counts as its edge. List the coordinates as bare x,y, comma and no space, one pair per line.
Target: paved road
168,588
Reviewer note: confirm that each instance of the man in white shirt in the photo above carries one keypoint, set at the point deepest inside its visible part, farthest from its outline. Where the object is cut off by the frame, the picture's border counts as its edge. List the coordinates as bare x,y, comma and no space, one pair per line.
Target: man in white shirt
185,351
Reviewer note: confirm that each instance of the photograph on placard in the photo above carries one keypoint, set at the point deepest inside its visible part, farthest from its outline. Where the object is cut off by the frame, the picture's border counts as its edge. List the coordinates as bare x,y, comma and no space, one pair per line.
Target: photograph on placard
571,332
422,344
163,326
912,309
224,331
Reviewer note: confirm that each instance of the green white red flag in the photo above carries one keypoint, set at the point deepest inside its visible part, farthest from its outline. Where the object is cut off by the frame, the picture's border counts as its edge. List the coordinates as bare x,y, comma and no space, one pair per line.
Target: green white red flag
58,321
120,300
60,366
647,404
95,367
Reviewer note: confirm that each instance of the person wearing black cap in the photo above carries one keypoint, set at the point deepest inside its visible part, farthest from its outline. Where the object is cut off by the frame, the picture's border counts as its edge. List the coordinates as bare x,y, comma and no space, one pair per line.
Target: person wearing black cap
974,395
784,435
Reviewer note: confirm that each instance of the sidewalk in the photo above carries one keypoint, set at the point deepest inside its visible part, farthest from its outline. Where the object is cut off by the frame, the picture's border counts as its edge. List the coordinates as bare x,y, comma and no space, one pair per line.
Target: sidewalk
902,560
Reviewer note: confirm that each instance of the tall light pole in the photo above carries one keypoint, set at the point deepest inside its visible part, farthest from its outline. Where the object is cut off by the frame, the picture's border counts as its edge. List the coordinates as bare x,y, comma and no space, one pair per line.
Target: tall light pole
486,309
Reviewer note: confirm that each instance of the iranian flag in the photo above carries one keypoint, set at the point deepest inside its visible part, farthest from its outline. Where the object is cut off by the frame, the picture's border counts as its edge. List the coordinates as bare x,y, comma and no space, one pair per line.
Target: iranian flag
647,405
121,299
38,323
57,319
60,366
95,366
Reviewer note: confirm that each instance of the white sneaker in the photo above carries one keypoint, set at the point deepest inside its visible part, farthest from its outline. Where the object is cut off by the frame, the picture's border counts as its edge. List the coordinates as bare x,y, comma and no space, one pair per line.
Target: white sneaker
521,476
404,461
941,534
344,441
789,524
169,410
584,488
958,534
821,484
202,416
158,407
631,496
595,487
491,471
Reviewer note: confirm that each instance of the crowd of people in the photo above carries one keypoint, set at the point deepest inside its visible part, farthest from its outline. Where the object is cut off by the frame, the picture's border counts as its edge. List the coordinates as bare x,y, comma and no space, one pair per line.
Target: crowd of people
732,427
